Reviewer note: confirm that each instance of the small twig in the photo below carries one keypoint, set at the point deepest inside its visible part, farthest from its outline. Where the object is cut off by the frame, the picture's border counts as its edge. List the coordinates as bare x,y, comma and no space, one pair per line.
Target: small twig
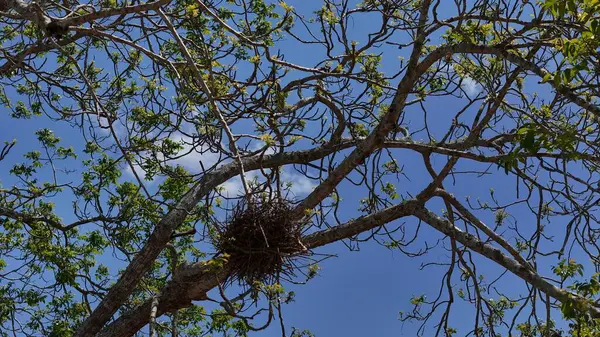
198,77
111,119
6,149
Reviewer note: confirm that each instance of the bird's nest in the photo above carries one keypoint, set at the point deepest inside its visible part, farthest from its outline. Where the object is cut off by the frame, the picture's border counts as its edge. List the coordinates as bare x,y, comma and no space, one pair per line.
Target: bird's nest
261,240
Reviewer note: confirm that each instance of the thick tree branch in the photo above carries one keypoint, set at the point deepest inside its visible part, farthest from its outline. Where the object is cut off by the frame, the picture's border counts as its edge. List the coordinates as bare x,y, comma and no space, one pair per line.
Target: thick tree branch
31,11
161,235
388,122
496,255
165,227
194,281
34,12
483,227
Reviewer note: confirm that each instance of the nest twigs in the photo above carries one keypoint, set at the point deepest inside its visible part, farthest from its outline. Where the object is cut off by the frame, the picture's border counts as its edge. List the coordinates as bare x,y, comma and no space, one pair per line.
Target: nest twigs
261,240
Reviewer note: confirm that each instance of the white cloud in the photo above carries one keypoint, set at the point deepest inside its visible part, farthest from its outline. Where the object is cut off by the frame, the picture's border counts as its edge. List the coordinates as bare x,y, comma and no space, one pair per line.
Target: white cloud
470,86
192,156
140,171
189,157
300,185
259,145
233,187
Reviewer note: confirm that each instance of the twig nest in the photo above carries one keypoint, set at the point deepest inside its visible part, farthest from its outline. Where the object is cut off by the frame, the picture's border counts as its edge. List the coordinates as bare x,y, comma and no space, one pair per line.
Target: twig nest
261,239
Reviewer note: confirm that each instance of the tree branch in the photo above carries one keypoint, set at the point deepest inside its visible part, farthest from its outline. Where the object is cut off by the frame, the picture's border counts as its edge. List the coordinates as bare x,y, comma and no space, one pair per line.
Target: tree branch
496,255
178,294
161,235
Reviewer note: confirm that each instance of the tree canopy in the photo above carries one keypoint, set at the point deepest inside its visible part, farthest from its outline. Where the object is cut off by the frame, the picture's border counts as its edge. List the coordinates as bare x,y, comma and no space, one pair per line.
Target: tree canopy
178,165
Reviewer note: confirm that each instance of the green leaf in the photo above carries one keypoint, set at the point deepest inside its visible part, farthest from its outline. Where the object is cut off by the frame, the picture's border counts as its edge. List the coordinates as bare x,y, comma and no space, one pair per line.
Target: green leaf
528,142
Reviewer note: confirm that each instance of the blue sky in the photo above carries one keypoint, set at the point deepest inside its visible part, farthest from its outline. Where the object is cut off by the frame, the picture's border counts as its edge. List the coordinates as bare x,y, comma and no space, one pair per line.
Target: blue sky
361,293
357,293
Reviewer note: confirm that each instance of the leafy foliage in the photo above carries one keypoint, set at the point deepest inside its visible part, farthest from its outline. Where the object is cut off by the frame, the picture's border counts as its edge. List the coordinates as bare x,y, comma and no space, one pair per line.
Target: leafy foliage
140,126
